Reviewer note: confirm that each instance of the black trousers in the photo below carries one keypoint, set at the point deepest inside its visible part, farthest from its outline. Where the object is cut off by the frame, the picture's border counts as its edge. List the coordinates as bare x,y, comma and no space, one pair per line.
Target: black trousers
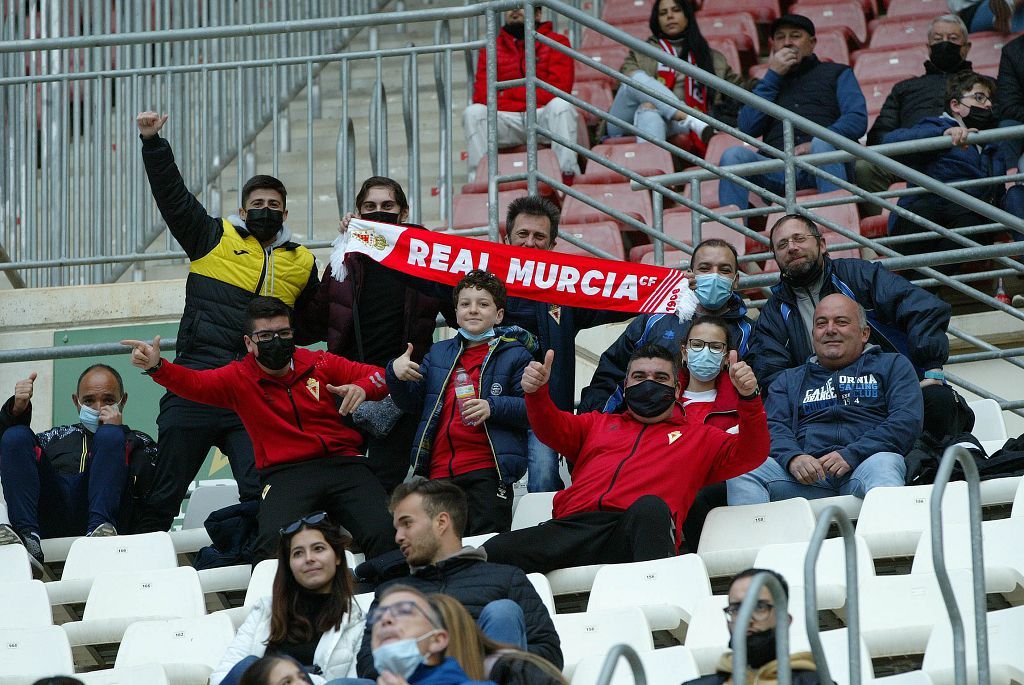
708,498
388,457
490,506
644,531
344,487
186,432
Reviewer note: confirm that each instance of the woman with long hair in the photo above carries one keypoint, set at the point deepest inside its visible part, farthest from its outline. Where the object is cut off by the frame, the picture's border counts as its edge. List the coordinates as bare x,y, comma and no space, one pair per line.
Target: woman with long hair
674,31
275,670
484,659
311,616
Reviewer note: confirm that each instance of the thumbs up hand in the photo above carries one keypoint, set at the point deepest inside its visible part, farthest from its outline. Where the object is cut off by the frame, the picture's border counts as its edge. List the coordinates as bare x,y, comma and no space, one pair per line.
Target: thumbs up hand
23,394
536,375
741,375
405,368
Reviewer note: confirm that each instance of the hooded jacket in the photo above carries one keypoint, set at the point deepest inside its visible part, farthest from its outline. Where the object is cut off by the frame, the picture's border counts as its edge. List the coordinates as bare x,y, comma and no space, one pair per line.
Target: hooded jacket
804,672
665,330
227,267
500,384
873,405
470,578
903,318
914,99
553,67
290,419
724,413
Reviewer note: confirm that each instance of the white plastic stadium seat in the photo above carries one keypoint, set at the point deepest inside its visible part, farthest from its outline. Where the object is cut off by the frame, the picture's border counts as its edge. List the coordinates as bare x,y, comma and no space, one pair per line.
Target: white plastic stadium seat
119,599
999,490
91,557
989,426
575,579
14,564
848,503
1006,658
837,653
1001,547
33,653
188,649
788,560
543,588
1017,510
261,584
596,632
733,535
668,665
150,674
25,605
666,590
477,540
207,499
893,519
908,678
534,508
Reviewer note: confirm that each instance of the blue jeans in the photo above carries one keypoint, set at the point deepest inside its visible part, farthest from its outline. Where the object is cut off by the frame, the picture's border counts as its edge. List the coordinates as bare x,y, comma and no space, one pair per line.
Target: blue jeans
730,193
503,621
542,469
657,123
984,20
42,501
770,482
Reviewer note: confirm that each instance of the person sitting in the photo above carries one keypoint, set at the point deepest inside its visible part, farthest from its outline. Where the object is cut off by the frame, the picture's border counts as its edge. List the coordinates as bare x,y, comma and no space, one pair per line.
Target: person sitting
409,641
70,480
289,400
429,517
824,92
636,473
468,396
310,616
841,423
762,665
274,670
674,30
712,277
481,657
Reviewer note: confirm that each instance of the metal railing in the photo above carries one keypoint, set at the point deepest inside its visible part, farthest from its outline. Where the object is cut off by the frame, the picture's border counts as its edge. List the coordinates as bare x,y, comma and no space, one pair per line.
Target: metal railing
742,622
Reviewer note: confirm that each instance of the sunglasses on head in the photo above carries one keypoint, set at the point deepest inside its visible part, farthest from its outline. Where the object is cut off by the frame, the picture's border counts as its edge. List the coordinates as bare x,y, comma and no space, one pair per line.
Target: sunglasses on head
309,520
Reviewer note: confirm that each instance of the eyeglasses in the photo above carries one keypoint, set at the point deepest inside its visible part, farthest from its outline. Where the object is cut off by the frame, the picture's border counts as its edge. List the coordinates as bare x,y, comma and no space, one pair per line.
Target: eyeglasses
980,98
796,239
696,344
267,336
310,520
401,609
762,610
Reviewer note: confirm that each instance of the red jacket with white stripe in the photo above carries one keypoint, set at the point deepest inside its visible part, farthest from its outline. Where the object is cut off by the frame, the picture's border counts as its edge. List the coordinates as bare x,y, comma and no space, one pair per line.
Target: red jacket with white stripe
290,418
553,67
617,459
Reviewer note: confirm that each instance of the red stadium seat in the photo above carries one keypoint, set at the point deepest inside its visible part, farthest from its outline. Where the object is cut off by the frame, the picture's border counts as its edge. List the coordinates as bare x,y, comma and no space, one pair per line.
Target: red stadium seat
727,46
719,143
875,94
869,7
900,32
678,224
844,215
917,8
603,234
598,94
643,158
832,47
673,258
708,193
617,12
889,64
843,16
618,196
763,11
611,56
593,39
875,226
740,27
987,49
515,163
470,211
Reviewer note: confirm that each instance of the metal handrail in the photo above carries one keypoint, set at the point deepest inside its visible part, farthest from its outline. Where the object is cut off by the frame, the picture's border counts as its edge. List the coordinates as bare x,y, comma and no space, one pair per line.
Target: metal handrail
742,622
632,658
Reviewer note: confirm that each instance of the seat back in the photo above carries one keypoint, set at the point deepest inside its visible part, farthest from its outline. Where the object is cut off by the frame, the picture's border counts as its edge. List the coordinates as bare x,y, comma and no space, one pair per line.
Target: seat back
534,508
261,583
14,564
666,665
173,592
733,535
543,588
149,674
25,605
207,499
893,519
186,641
830,571
90,557
35,652
988,420
678,581
595,632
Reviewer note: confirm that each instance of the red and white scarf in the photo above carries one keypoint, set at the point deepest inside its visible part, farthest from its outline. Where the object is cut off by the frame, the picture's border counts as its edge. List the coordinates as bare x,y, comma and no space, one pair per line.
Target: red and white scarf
696,94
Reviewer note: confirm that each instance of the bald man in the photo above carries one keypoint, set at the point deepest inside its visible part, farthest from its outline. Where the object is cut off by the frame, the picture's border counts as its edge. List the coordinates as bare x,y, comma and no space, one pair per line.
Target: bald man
840,423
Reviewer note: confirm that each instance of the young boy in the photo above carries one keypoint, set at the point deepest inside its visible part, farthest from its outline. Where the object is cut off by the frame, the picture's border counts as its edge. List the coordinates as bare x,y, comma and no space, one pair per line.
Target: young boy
472,414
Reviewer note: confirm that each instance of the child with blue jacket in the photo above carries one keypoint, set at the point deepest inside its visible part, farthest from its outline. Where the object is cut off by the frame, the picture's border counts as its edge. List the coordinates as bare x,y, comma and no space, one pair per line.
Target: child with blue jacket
472,413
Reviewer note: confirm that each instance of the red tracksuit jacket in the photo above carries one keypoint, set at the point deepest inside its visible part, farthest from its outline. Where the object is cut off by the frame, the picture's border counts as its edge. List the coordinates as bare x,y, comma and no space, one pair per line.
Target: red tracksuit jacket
290,419
553,67
617,459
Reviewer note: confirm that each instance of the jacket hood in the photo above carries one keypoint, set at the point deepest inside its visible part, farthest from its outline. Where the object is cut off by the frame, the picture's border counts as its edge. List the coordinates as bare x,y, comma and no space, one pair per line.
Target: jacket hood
283,236
800,661
467,553
870,348
520,335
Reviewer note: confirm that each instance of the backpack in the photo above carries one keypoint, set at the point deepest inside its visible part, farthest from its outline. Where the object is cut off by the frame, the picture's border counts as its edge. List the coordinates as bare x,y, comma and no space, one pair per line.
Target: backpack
923,460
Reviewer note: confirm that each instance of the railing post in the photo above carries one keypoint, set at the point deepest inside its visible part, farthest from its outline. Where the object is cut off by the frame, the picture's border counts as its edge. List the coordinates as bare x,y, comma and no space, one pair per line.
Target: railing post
658,203
789,144
492,126
742,621
531,97
611,660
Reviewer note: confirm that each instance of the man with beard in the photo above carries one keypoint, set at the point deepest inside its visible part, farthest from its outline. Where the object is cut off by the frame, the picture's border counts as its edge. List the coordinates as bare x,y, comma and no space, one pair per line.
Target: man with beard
553,67
842,422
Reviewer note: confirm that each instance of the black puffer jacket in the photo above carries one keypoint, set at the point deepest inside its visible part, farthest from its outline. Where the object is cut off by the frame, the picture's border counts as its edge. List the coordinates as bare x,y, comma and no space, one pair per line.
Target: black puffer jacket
470,578
1010,98
912,100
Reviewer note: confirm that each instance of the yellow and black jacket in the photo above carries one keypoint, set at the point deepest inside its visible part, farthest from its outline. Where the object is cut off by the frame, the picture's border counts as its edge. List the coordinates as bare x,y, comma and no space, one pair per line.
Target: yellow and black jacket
228,267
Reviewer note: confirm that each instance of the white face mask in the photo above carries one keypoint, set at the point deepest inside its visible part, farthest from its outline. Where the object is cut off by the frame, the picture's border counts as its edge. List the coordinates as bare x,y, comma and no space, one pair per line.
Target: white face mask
401,657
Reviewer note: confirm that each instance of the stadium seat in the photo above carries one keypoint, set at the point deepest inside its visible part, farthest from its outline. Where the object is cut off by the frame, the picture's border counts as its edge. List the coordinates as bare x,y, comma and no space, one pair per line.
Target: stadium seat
836,645
1006,658
987,49
603,234
875,94
642,158
869,7
719,143
364,600
763,11
261,584
889,64
677,224
543,588
848,503
1017,510
611,56
117,600
573,580
832,47
708,193
738,26
14,564
598,94
595,632
477,540
470,210
674,259
899,32
788,559
989,426
733,535
1001,545
617,12
727,46
534,508
91,557
667,665
638,29
617,196
843,16
917,8
515,163
30,653
893,519
999,490
25,605
207,499
666,590
149,674
188,649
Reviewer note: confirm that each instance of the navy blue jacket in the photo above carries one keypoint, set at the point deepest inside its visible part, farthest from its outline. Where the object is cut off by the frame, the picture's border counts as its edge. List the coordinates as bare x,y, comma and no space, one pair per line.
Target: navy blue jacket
903,318
873,405
448,672
666,330
500,384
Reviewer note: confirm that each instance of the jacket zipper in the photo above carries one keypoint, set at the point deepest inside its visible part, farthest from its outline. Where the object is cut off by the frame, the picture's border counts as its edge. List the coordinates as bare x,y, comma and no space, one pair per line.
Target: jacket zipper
295,407
263,273
636,443
479,393
433,412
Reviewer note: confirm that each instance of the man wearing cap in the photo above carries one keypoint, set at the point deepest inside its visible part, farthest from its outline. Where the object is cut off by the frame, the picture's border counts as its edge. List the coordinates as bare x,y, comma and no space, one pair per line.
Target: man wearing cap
824,92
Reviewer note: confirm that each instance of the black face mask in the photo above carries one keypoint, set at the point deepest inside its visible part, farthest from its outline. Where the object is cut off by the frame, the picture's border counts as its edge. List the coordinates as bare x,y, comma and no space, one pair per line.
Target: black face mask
760,648
275,354
980,118
650,398
517,31
945,56
264,223
382,217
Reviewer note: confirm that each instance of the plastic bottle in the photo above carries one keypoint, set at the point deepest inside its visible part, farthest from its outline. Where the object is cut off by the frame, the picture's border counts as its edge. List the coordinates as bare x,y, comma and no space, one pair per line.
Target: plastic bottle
1001,293
464,391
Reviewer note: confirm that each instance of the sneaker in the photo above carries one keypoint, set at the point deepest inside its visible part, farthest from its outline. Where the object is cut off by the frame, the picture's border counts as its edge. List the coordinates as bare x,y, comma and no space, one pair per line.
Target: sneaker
35,550
104,530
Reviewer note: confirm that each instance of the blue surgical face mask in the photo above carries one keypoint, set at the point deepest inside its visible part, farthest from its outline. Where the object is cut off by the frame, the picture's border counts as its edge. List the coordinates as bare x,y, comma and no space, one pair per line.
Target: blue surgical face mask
704,365
401,657
713,290
476,337
89,417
